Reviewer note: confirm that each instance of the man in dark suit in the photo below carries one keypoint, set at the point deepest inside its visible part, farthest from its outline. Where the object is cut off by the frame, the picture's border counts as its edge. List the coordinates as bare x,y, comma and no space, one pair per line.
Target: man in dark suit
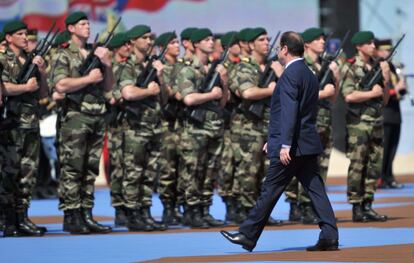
293,147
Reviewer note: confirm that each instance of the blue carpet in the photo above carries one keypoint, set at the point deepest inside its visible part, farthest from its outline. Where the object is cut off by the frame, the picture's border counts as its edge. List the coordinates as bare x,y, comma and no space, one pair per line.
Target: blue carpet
140,246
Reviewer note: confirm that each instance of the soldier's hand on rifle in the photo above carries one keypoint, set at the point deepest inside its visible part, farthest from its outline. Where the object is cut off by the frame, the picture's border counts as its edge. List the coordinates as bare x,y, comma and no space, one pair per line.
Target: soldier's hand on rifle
272,86
377,91
277,68
104,56
217,92
158,66
223,74
32,85
335,70
40,62
385,67
57,96
95,76
153,88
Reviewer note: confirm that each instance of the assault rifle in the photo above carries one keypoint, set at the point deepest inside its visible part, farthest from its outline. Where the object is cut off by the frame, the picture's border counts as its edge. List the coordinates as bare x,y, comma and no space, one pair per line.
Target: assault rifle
325,72
30,69
211,80
268,76
92,61
149,73
375,74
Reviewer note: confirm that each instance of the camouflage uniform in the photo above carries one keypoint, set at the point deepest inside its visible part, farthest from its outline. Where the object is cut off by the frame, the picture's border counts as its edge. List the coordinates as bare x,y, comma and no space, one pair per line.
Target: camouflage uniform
22,144
226,173
201,143
81,134
170,186
142,142
365,133
115,139
294,191
247,135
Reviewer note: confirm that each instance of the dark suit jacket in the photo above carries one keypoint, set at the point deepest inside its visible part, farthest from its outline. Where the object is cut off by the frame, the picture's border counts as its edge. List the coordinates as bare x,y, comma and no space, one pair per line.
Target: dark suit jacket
293,112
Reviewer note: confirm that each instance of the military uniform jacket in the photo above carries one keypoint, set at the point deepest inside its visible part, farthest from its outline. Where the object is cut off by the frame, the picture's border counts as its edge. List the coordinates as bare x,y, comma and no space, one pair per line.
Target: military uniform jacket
90,99
22,110
370,110
137,111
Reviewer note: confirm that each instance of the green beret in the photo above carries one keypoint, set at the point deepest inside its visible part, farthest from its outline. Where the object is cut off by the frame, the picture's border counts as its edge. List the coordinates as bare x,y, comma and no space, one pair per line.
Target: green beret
311,34
200,34
165,38
362,37
186,33
255,33
242,35
75,17
2,37
229,36
138,31
118,40
13,26
62,37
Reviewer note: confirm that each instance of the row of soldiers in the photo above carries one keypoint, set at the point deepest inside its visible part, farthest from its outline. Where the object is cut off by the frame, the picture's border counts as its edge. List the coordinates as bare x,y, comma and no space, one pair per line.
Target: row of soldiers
181,124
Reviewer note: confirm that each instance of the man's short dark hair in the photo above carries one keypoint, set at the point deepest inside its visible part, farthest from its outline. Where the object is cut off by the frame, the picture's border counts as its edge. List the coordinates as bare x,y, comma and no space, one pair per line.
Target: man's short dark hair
294,43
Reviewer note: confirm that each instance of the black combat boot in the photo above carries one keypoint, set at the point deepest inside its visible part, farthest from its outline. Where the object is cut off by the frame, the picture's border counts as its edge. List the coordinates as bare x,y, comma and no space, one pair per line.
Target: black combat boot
33,225
358,213
25,227
274,222
73,222
93,226
308,214
205,213
10,228
147,219
120,216
186,216
230,210
168,214
196,219
178,215
134,222
371,214
295,214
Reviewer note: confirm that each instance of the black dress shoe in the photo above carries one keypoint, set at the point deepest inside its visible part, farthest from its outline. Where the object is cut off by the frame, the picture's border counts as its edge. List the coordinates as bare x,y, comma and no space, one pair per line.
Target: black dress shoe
324,245
239,239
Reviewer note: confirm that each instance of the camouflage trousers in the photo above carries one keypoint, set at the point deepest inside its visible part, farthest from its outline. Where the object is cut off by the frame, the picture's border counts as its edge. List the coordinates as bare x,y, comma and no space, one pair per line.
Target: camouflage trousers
365,151
20,151
201,147
247,137
226,174
142,151
115,139
170,184
81,138
294,191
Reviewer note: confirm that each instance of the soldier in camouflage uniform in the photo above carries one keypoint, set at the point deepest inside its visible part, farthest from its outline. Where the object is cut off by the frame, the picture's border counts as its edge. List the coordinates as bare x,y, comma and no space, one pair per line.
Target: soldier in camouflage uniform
82,125
364,127
201,142
226,173
248,130
121,51
300,205
142,133
168,185
22,134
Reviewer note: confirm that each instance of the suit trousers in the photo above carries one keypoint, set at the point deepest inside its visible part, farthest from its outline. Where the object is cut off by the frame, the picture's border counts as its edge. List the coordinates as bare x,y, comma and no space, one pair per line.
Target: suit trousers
306,169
